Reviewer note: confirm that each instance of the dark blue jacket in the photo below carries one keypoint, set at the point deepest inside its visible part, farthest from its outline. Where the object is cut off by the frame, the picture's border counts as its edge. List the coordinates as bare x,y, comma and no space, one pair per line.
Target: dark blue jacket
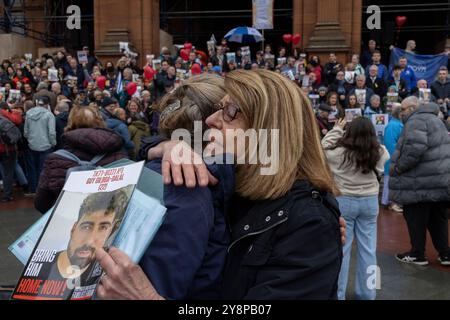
186,258
121,128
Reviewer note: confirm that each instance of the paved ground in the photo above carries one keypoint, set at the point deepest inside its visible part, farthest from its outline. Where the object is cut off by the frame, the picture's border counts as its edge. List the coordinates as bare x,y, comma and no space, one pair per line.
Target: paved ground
398,281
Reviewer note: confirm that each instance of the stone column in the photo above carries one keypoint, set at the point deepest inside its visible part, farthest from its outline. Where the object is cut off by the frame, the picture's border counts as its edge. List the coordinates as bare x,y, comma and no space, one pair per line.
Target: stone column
133,21
327,35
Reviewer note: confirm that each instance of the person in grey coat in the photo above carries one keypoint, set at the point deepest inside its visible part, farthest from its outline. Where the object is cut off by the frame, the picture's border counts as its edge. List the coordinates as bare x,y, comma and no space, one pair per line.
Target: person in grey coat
40,132
420,180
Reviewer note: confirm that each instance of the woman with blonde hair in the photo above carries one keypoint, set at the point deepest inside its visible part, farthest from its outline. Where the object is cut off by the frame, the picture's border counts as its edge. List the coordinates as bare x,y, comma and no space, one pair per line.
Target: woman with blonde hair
185,259
85,137
284,220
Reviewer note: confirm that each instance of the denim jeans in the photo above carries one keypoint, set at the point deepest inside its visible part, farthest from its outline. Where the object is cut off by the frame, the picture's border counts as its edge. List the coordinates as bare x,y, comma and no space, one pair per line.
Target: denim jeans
385,197
35,162
361,214
20,175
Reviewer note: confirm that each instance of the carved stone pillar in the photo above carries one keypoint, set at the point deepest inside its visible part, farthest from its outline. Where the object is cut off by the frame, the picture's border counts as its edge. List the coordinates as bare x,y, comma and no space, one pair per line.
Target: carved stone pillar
327,35
133,21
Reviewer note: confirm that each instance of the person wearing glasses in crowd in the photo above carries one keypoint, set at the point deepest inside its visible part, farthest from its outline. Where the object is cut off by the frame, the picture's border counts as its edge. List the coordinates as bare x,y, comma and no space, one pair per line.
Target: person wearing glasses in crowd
286,240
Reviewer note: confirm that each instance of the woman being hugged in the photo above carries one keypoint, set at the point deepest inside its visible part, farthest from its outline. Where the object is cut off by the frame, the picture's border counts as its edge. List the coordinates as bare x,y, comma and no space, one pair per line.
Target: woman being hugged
284,221
357,159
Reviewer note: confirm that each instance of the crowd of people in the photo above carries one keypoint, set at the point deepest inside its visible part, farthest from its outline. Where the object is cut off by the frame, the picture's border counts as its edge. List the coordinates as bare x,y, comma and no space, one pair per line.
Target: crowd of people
105,112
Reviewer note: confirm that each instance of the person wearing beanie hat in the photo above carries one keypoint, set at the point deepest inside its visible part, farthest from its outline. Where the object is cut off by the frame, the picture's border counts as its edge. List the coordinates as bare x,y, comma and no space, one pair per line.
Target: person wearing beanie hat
107,108
323,92
322,119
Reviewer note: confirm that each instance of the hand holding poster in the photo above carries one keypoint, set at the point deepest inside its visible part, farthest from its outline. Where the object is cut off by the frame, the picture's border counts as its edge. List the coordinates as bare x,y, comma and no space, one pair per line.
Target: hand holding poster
361,97
14,96
424,95
87,216
314,98
380,122
289,74
157,65
231,57
2,94
351,114
143,218
263,14
246,53
306,82
124,47
270,59
28,57
281,61
82,57
53,75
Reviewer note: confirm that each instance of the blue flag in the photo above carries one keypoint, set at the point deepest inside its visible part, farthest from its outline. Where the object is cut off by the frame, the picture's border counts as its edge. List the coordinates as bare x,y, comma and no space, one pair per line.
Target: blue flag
424,66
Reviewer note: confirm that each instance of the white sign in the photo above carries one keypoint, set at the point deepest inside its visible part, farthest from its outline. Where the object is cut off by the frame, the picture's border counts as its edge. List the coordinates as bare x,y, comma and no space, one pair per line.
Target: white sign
82,57
263,14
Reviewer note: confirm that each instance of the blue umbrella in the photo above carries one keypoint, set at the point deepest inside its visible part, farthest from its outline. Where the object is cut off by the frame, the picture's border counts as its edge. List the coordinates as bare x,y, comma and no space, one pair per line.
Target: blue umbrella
244,35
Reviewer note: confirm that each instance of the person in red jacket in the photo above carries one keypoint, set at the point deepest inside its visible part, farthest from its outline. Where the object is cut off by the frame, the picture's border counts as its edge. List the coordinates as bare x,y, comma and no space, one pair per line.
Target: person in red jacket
20,77
8,154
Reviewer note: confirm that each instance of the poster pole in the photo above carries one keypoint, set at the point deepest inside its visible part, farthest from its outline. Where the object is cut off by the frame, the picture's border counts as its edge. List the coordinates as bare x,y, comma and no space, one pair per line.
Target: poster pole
262,49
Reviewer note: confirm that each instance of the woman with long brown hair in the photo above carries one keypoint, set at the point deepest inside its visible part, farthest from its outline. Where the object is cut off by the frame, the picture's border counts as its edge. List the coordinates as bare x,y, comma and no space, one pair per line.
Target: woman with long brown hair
284,220
357,159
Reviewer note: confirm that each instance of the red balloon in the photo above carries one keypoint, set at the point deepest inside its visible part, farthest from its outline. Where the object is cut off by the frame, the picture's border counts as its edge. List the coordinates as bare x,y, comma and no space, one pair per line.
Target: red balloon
184,53
188,45
287,38
131,88
149,73
203,55
196,69
296,39
400,21
101,82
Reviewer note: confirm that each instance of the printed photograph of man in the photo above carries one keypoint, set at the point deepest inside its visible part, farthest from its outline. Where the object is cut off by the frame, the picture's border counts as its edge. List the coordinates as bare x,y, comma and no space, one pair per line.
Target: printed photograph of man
99,218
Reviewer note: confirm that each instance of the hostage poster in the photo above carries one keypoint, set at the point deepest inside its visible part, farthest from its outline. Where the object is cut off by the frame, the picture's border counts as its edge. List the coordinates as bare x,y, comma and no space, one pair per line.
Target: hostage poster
87,216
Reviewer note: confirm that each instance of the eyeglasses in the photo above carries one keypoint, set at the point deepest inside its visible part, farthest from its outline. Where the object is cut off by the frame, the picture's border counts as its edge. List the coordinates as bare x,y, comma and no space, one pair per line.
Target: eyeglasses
230,111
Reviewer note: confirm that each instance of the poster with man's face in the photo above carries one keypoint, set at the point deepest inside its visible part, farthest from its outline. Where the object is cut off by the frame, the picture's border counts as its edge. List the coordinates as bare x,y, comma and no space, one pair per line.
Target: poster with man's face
87,217
361,97
424,95
380,122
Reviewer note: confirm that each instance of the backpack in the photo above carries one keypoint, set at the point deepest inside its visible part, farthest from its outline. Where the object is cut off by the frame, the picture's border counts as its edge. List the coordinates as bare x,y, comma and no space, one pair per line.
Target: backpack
9,133
82,165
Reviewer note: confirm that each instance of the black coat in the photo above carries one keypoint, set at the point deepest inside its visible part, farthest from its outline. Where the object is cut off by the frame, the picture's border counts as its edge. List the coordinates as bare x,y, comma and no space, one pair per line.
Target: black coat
402,88
379,87
61,124
285,249
224,66
441,90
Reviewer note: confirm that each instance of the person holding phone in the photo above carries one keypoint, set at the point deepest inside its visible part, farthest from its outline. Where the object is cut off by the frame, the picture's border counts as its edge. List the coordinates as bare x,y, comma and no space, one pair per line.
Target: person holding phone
356,159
